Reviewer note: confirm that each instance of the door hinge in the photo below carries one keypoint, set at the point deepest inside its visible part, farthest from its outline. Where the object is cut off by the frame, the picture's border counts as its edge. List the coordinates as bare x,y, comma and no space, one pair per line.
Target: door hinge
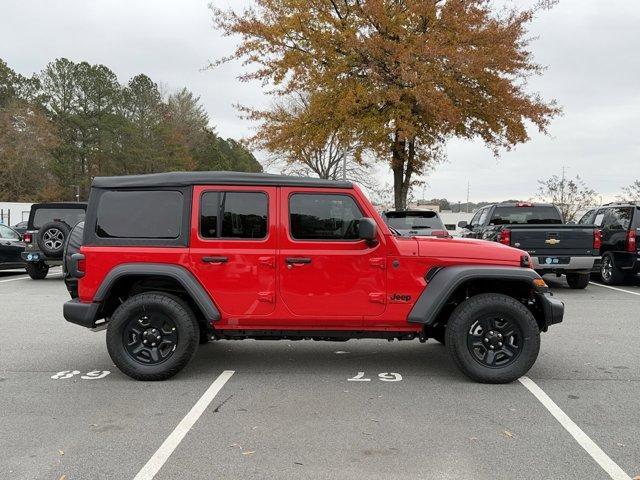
379,262
377,297
267,297
267,261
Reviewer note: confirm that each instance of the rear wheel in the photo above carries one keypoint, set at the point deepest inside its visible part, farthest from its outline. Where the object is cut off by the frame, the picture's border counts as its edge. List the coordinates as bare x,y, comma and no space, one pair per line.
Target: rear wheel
493,338
152,336
578,280
609,273
37,270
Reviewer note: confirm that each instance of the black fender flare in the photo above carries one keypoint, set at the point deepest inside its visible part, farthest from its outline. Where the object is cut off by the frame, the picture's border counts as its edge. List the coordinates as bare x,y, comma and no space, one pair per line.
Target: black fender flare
445,281
183,276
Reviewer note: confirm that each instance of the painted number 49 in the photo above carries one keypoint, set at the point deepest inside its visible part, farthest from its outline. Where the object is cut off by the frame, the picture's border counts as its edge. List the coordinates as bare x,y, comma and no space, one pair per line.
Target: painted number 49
383,377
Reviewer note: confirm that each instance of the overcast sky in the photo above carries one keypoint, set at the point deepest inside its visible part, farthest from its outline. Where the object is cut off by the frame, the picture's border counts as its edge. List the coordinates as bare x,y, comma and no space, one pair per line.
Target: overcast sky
591,49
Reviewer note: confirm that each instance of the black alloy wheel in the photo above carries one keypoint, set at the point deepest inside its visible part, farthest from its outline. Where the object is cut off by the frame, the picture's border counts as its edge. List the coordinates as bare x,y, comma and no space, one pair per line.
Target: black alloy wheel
151,338
494,342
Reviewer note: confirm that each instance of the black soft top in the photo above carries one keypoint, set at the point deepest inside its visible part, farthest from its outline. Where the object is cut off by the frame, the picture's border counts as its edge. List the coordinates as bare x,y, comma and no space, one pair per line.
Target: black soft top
58,205
185,179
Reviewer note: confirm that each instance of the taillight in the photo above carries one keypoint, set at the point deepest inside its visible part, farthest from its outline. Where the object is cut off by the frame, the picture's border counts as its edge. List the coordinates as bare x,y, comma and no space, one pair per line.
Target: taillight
631,240
26,238
505,237
597,239
81,265
439,233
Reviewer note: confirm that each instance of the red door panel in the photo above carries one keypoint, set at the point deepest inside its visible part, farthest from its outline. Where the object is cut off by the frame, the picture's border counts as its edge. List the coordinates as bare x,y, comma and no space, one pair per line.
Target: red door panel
329,282
238,273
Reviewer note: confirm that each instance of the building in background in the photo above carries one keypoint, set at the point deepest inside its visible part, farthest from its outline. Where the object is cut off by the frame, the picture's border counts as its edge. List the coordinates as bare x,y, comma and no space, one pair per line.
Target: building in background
13,213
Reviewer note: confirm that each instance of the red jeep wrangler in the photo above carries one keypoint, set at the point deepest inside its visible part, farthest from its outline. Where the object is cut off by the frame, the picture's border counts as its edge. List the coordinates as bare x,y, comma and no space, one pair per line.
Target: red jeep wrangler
173,259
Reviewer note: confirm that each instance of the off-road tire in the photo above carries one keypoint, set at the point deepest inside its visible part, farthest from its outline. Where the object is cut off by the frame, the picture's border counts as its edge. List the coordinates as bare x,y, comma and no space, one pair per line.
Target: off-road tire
609,273
37,270
489,304
578,281
52,237
147,303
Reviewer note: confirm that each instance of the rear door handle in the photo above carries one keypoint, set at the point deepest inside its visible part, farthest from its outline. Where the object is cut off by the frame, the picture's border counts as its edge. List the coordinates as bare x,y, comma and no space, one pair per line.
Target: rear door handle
215,259
297,260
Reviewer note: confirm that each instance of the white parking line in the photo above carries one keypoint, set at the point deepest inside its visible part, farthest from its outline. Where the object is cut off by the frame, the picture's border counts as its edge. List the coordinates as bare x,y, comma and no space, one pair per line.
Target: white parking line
54,274
608,465
12,279
159,458
614,288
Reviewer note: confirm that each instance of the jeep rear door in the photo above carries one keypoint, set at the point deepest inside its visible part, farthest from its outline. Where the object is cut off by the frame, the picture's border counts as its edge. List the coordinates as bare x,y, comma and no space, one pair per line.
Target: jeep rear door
233,246
326,274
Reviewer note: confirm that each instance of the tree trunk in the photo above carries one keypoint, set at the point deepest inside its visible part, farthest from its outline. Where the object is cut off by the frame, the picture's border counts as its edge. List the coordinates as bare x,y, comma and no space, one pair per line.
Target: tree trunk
402,166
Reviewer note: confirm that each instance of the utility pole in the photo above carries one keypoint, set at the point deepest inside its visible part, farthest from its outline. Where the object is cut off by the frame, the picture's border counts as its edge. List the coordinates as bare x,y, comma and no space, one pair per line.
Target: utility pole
468,190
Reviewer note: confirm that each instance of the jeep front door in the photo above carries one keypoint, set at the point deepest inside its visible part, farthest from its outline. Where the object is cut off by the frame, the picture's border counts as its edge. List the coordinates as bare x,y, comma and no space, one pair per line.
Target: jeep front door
327,275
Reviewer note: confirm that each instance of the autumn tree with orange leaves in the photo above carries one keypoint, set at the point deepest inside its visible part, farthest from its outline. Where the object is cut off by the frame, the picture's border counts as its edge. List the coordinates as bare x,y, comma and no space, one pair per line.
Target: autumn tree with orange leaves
398,77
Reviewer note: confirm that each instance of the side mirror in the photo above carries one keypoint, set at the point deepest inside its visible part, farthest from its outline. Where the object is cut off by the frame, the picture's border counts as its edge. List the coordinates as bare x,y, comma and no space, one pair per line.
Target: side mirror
367,229
463,224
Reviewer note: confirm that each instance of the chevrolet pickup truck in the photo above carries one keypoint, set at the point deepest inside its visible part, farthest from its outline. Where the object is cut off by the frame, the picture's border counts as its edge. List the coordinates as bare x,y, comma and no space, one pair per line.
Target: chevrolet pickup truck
539,229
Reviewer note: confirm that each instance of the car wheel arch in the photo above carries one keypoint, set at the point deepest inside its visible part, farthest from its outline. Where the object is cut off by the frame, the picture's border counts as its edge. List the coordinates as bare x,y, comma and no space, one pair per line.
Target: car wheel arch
450,286
131,279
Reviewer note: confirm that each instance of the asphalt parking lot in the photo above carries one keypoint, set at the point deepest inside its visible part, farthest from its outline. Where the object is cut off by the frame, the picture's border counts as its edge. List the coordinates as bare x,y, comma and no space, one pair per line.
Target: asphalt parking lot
289,409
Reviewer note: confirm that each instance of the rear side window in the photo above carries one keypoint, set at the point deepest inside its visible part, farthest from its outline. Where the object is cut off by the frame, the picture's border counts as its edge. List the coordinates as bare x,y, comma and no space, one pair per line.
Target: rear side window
233,215
525,216
618,218
139,214
70,216
323,217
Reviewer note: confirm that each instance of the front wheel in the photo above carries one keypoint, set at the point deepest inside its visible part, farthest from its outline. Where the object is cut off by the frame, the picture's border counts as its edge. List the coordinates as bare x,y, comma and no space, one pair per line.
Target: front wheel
578,280
493,338
152,336
37,270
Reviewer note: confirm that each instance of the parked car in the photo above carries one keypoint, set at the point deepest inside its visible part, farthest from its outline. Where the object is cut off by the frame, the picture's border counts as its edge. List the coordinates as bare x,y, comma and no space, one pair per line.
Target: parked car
415,222
48,228
620,227
21,227
11,248
539,229
171,259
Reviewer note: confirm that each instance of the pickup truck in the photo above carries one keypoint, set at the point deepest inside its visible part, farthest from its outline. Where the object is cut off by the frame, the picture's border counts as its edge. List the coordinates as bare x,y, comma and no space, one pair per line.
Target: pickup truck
169,260
539,229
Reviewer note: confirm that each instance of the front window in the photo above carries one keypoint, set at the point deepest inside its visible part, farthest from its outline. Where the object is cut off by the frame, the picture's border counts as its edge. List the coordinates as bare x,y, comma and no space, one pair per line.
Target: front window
324,217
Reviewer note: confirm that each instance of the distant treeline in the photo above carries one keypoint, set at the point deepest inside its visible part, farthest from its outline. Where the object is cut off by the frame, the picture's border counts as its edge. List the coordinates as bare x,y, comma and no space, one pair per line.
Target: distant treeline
457,207
74,121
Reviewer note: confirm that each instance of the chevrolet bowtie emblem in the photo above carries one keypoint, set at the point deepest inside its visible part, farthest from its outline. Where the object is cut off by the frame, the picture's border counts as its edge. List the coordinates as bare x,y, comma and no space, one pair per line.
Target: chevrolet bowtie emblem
552,241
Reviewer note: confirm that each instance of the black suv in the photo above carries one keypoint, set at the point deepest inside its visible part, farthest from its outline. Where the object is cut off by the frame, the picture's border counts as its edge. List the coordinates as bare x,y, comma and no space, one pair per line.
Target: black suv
47,231
619,224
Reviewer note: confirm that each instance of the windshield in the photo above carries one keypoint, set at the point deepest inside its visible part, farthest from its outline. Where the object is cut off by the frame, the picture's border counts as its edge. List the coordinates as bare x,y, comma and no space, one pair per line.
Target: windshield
70,216
525,215
414,220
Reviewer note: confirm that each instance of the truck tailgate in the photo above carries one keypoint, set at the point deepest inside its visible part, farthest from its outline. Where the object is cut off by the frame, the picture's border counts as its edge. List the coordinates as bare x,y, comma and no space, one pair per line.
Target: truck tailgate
553,239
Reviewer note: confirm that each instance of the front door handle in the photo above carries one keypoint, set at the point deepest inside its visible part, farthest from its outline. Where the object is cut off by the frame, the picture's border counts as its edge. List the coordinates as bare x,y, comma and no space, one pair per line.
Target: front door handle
297,260
215,259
